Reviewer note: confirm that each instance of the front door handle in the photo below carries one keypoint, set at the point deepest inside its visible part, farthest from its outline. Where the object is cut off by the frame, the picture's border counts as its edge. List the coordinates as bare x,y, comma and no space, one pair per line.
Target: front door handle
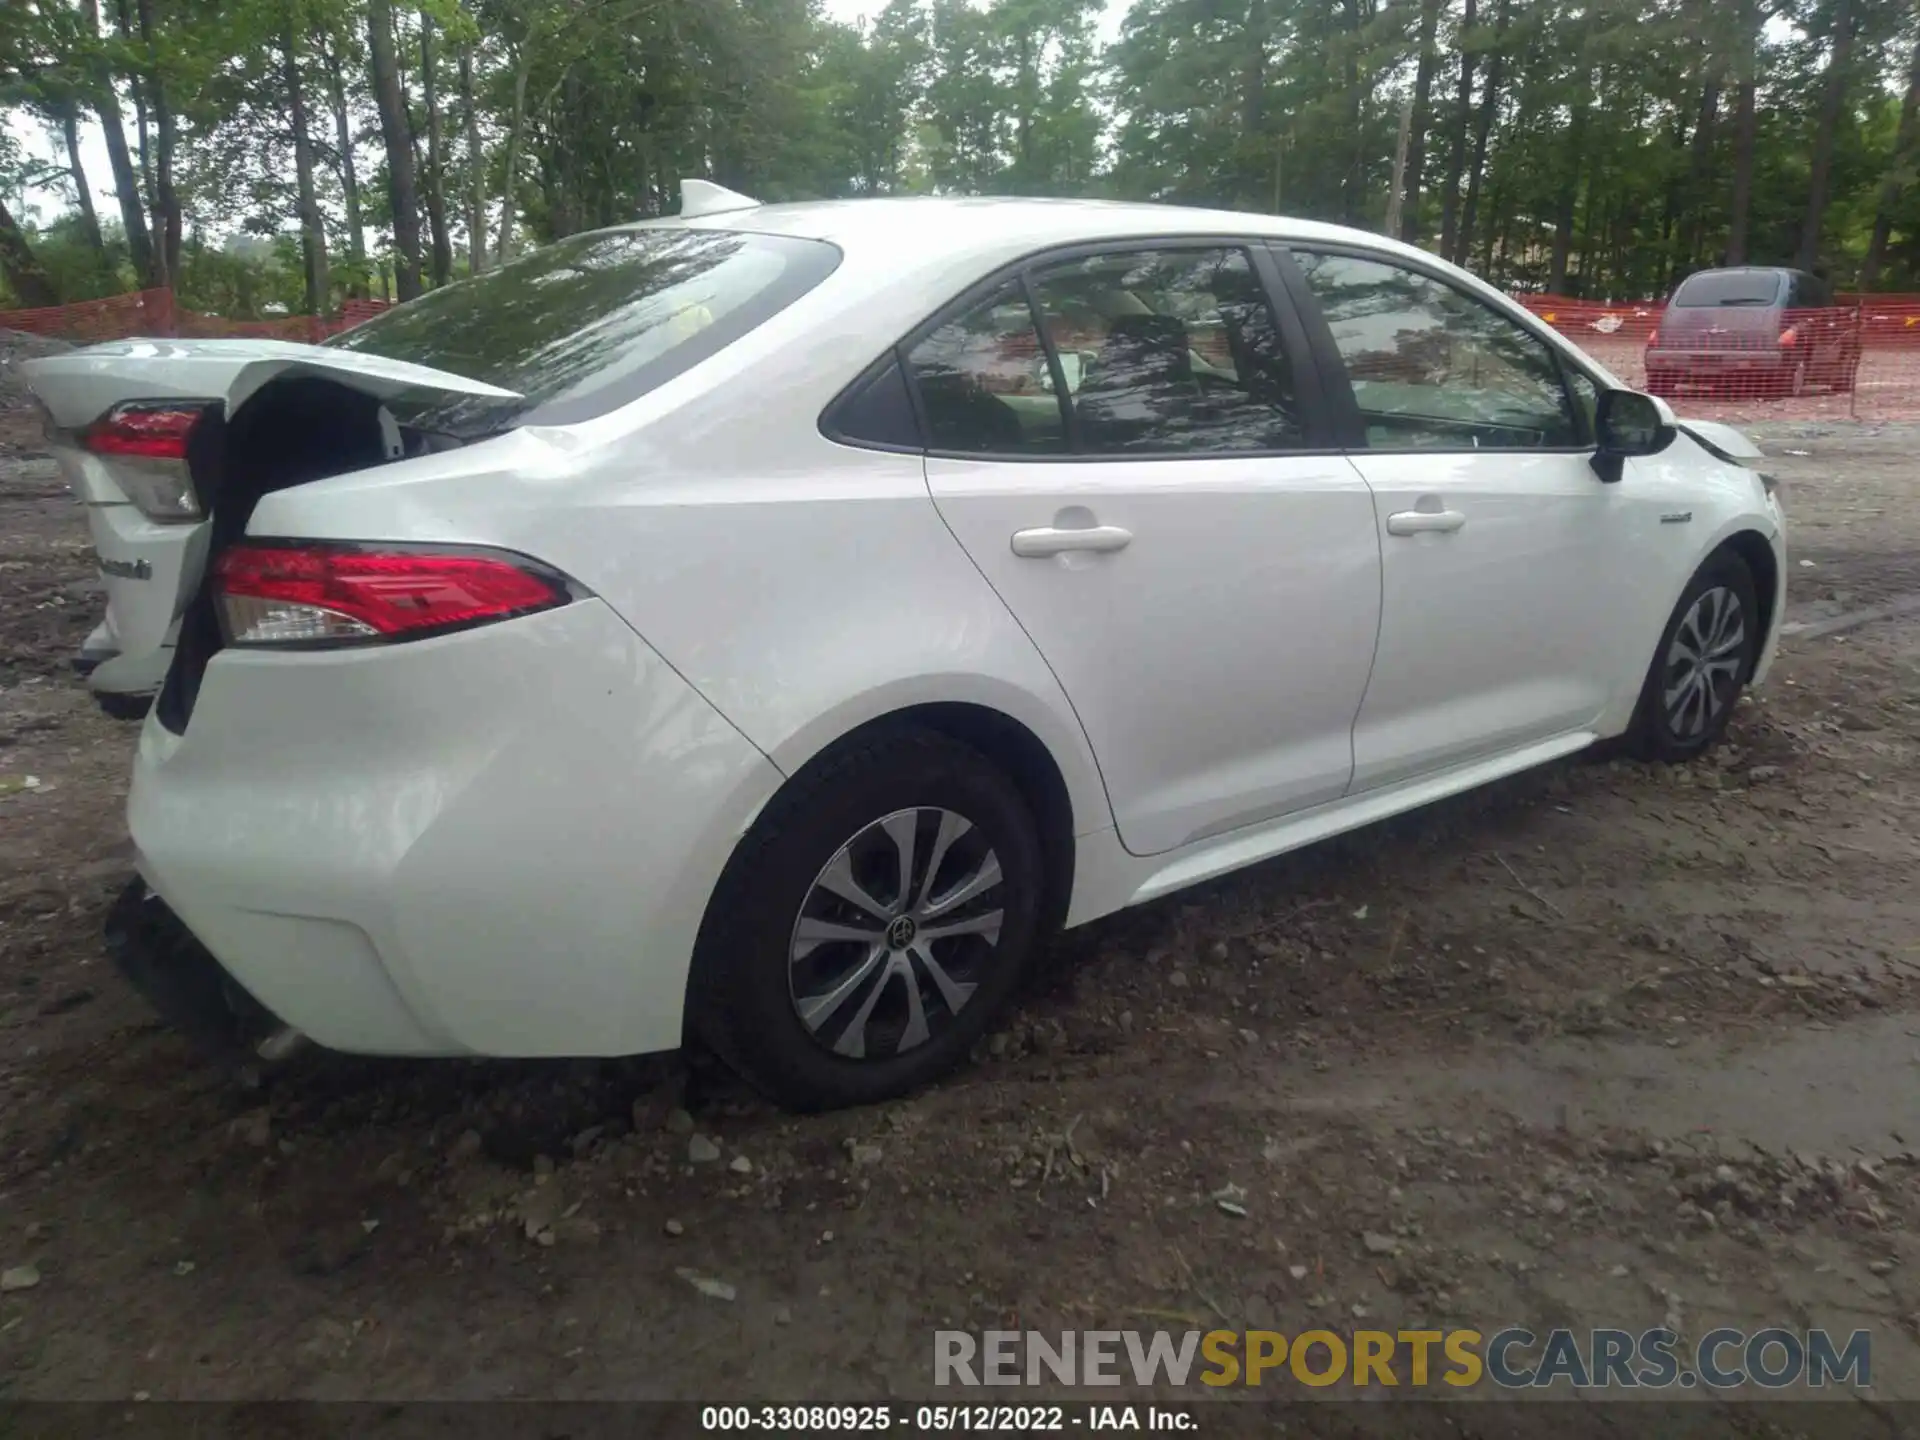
1037,544
1425,522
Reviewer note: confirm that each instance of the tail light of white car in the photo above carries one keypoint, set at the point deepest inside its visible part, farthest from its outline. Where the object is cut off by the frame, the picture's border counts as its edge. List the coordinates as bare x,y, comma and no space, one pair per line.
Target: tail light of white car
293,595
145,441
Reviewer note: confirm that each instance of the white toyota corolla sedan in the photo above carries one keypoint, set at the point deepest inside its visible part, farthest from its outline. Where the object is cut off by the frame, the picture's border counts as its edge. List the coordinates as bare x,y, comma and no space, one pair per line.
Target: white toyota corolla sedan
767,624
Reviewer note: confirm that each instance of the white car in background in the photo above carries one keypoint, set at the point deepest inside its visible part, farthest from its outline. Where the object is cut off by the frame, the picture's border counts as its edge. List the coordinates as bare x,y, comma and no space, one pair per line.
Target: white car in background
769,623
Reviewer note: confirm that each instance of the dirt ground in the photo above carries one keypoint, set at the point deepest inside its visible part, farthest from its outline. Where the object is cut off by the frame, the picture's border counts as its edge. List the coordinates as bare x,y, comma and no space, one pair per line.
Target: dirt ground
1605,1045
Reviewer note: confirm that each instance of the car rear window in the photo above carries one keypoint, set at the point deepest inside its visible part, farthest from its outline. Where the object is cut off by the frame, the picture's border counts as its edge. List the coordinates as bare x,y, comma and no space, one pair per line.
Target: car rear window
590,322
1730,287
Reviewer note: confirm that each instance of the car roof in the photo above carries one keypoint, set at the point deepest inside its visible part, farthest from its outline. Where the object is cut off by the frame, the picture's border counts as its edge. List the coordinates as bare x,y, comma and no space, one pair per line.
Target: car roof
956,225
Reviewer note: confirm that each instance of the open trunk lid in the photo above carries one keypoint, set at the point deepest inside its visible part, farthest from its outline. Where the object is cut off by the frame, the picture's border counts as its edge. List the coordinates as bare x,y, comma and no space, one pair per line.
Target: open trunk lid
148,591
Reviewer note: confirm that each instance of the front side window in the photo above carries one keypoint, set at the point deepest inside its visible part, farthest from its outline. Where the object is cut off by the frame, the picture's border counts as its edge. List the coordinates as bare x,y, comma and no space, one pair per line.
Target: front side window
1433,368
1147,352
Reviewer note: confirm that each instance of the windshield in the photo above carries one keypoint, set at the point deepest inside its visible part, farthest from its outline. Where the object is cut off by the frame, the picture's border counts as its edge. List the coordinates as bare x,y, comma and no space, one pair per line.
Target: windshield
1730,287
590,322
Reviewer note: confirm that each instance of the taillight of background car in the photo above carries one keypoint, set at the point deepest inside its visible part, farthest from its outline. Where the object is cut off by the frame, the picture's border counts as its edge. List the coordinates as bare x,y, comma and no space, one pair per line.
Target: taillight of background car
294,595
145,441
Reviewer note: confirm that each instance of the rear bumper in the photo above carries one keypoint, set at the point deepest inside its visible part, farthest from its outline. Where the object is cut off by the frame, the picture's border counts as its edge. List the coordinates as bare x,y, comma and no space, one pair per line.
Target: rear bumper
178,976
1720,364
496,842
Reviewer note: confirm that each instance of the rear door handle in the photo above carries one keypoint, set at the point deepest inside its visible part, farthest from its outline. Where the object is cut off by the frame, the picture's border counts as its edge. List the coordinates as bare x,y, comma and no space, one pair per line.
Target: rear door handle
1037,544
1425,522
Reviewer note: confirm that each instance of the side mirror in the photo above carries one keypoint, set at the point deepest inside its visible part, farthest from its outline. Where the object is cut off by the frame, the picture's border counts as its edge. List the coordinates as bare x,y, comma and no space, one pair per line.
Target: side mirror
1627,423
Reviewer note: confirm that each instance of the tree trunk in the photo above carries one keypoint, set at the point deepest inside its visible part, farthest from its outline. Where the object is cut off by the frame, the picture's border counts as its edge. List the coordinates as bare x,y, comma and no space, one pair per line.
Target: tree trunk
1253,97
1354,198
436,173
476,192
1820,175
1900,174
523,62
1457,145
126,180
398,138
1489,234
166,204
1569,193
1421,120
1396,187
83,192
313,230
1694,204
138,90
21,266
1744,137
349,175
1482,132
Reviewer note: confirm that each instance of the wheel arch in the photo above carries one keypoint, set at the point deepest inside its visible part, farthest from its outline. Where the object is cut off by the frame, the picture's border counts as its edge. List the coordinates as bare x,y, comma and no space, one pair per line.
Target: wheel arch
1003,740
1021,754
1757,553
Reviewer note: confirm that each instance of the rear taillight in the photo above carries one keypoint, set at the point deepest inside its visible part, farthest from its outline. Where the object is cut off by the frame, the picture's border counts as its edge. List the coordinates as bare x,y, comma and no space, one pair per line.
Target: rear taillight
359,595
1789,338
147,442
1653,340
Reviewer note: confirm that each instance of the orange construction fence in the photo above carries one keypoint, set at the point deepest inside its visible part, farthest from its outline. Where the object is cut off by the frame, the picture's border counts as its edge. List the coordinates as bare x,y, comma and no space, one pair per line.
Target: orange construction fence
157,313
1859,359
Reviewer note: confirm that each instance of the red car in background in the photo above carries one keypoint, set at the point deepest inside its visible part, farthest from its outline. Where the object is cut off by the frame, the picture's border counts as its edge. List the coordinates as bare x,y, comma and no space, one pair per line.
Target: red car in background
1753,330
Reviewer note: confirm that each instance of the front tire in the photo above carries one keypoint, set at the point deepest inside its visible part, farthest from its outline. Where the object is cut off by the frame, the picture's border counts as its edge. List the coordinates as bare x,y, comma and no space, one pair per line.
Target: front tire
1704,659
873,924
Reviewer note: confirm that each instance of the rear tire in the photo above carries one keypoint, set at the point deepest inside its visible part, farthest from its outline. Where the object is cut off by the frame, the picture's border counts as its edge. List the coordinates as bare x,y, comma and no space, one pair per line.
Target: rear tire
825,976
1701,666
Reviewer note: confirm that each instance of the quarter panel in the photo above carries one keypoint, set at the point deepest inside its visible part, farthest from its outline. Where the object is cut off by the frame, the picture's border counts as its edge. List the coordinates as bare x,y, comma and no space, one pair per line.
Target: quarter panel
523,821
800,586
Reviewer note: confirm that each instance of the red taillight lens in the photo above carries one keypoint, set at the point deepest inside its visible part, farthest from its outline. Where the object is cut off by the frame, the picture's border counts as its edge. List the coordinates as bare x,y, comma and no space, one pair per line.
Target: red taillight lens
333,595
1789,337
1653,340
149,429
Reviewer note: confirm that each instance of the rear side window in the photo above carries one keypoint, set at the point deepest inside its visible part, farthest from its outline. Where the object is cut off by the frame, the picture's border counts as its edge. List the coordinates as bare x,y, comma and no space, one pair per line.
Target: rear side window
1729,287
591,322
1146,352
1809,293
1170,352
986,387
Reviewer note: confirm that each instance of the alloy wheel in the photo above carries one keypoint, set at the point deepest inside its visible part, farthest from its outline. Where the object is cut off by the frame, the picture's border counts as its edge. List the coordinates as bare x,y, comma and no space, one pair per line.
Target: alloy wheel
895,933
1703,663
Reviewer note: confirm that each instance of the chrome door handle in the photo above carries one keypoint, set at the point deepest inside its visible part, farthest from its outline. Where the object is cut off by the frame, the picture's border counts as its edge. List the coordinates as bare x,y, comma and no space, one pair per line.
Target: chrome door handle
1037,544
1425,522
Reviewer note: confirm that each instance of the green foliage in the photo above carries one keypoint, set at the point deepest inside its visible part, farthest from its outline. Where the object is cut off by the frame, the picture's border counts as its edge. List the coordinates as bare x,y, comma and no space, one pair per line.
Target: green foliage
1608,169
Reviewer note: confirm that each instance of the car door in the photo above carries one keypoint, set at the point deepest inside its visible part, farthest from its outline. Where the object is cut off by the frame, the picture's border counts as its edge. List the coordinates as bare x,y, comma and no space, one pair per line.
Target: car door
1146,481
1501,549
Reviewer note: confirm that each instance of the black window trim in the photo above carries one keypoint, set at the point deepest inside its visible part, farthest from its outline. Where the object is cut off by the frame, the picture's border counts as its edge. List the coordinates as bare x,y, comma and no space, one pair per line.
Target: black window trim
1338,387
830,417
1321,439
